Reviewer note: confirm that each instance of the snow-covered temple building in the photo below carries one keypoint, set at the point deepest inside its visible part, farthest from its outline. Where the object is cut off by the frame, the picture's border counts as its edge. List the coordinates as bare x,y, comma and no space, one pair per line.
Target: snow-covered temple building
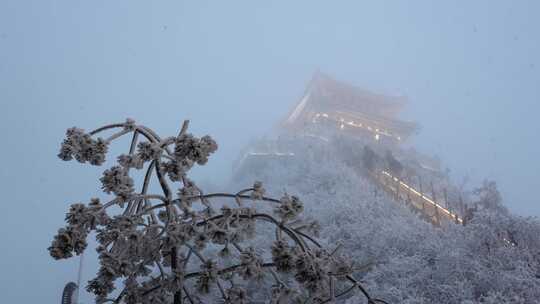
335,121
330,104
329,108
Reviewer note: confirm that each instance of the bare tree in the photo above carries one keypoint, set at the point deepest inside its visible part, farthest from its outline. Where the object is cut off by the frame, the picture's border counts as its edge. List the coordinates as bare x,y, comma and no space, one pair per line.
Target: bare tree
178,247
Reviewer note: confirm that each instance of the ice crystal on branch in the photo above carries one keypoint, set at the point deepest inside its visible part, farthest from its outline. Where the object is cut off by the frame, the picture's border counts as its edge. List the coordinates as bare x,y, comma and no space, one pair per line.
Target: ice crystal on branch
258,191
117,180
290,207
197,150
131,161
149,151
83,147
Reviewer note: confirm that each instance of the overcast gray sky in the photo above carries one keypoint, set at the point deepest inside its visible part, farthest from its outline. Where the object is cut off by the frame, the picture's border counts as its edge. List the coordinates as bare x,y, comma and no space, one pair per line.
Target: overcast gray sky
470,69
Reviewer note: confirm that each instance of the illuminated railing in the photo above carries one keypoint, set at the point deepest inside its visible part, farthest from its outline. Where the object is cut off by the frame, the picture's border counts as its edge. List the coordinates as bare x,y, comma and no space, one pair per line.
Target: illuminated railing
342,124
425,198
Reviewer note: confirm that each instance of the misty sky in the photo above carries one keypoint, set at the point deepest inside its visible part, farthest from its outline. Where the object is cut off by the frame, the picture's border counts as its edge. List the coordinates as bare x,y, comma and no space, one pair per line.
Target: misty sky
470,69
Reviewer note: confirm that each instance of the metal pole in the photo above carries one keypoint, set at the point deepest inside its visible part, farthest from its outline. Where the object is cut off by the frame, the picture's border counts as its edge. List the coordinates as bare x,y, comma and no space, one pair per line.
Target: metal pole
79,276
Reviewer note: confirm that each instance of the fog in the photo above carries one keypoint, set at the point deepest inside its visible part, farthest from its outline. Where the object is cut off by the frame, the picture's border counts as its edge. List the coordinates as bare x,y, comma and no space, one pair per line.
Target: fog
470,72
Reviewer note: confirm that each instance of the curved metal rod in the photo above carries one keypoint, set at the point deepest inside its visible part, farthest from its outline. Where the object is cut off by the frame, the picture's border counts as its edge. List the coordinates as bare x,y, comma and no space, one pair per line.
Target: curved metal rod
219,272
220,195
268,218
141,129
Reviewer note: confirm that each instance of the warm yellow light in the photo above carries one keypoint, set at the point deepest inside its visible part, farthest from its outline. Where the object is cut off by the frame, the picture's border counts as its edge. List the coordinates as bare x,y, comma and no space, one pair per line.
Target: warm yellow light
425,198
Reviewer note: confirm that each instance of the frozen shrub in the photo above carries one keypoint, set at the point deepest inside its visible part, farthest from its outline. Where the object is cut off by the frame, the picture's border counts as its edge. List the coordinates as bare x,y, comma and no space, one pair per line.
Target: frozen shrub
177,246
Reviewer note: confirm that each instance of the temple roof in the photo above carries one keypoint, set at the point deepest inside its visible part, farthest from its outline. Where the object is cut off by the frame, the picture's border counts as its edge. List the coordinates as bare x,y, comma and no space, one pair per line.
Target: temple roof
343,102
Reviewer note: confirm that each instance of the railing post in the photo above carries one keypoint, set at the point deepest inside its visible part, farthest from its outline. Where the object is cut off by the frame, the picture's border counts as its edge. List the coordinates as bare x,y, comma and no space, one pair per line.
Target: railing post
409,195
422,196
462,207
437,215
433,192
451,207
385,180
445,193
397,189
